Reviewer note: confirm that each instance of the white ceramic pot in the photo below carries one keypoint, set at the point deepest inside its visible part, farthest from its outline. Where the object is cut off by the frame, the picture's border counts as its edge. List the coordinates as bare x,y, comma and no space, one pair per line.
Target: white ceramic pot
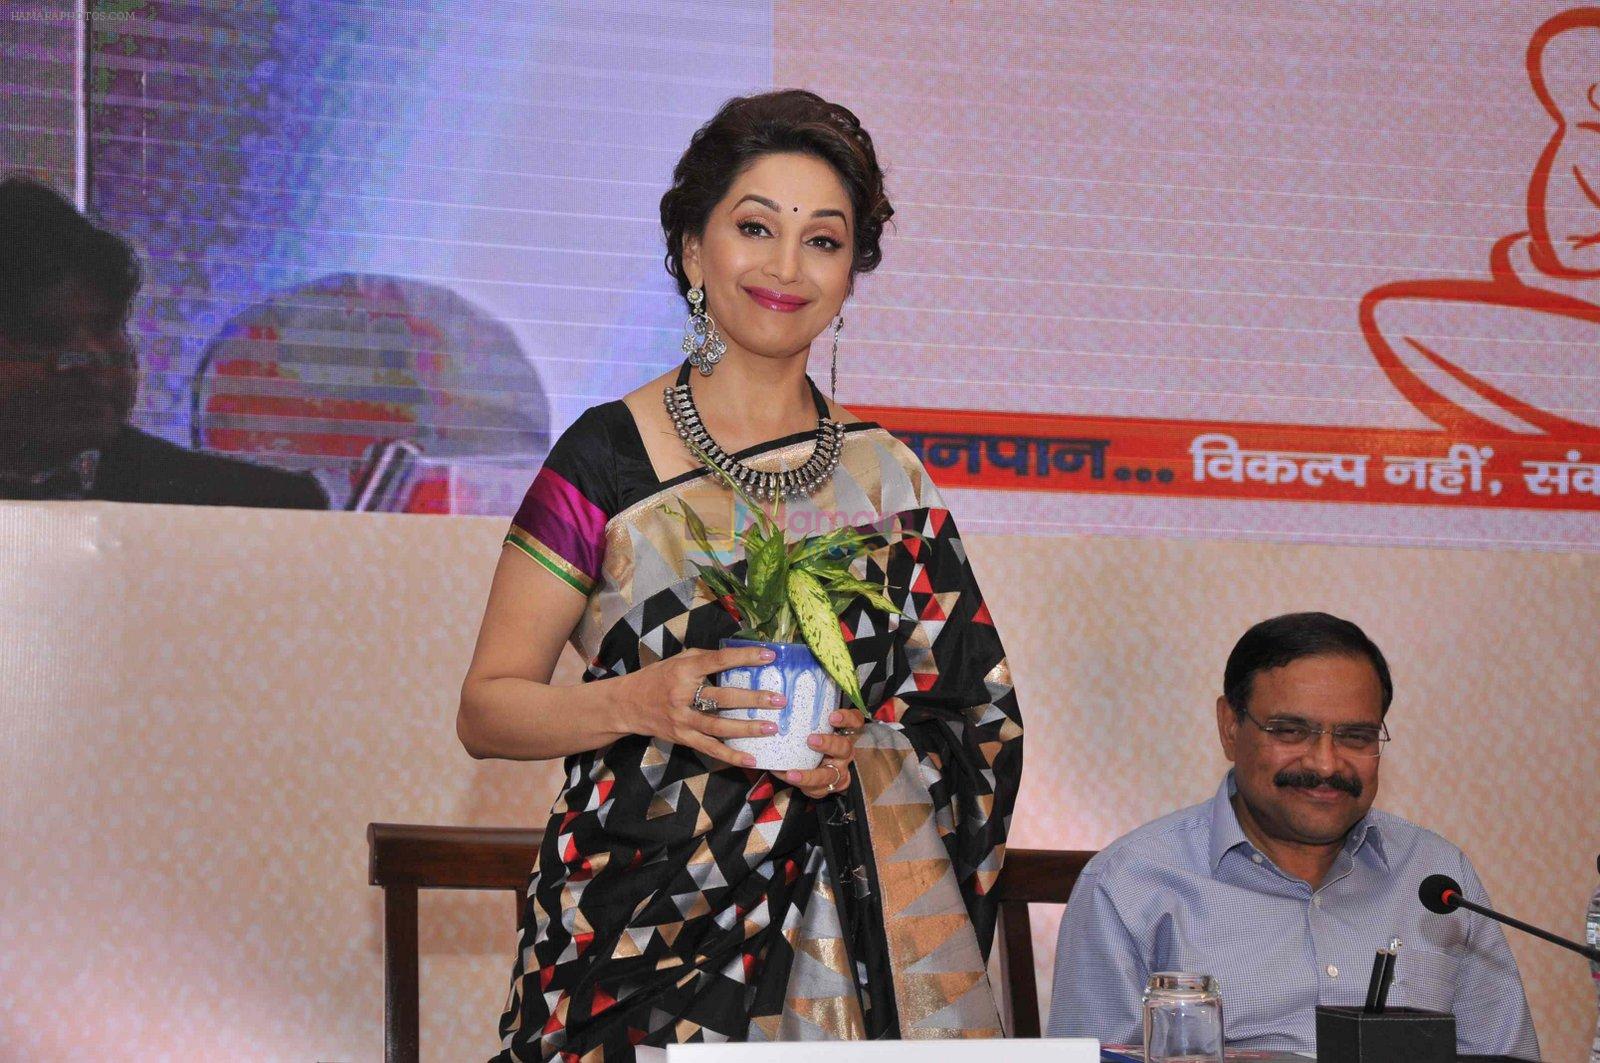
812,694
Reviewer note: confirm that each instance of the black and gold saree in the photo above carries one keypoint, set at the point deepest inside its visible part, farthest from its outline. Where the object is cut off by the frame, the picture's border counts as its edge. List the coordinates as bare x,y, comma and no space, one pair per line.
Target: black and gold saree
678,898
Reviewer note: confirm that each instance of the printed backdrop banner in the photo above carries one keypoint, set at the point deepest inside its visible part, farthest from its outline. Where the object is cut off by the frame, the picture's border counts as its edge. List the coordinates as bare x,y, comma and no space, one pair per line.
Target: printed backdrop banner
1282,268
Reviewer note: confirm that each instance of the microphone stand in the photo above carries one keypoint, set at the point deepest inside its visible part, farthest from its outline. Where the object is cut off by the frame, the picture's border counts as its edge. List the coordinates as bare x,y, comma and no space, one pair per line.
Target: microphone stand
1592,953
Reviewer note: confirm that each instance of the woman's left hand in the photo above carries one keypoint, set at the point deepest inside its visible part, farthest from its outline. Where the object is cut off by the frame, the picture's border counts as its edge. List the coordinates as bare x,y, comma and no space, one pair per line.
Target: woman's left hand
832,776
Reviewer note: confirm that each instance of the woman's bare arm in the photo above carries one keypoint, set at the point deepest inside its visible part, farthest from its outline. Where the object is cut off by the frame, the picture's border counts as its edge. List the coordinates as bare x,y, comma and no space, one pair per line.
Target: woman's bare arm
509,709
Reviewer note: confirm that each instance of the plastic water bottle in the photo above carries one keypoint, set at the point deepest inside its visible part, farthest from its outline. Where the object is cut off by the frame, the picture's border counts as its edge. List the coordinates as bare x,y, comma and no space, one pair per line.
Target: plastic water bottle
1593,934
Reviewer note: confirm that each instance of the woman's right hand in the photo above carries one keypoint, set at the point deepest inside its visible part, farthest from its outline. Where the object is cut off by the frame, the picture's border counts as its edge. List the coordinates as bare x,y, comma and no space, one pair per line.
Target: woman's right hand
660,702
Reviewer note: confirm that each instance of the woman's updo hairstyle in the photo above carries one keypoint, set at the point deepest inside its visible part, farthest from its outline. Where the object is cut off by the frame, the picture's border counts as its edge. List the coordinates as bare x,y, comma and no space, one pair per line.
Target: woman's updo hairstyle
748,127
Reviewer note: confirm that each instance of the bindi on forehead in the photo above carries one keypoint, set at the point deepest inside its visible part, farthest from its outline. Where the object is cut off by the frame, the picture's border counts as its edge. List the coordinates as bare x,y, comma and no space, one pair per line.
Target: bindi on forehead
775,207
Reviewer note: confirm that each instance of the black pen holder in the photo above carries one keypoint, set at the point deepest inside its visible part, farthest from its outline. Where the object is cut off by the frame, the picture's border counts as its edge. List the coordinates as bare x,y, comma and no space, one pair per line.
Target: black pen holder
1396,1035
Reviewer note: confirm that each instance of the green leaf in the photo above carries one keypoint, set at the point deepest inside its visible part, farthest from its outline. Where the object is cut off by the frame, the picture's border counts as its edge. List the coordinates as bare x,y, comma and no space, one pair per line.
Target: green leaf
783,629
764,564
875,593
701,534
825,569
846,548
820,627
753,541
817,566
838,537
718,580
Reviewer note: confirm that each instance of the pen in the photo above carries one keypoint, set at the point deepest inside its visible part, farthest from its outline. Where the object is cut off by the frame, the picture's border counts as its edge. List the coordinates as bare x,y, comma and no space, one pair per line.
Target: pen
1375,983
1388,974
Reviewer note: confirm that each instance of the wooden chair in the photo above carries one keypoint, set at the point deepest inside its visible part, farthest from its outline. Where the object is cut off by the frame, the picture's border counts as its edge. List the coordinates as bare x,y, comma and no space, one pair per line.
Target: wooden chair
403,859
1031,876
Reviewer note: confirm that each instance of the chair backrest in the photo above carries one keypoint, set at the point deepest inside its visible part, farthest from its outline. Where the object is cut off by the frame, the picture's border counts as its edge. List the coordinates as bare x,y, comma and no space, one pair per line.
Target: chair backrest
1030,876
404,858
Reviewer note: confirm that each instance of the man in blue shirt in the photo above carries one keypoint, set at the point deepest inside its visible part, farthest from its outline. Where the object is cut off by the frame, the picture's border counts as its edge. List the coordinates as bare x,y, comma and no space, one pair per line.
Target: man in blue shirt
1284,884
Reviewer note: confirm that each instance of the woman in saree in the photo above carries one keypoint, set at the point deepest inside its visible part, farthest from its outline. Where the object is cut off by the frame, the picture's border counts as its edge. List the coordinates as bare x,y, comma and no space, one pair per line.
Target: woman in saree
682,895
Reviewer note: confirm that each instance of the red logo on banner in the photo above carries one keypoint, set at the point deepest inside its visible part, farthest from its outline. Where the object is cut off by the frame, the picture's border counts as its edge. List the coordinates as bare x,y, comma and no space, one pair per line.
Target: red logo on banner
1499,362
1499,356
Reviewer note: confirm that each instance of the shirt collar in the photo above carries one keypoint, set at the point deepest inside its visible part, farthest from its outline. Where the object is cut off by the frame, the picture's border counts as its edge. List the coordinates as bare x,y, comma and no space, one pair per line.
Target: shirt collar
1367,836
1226,834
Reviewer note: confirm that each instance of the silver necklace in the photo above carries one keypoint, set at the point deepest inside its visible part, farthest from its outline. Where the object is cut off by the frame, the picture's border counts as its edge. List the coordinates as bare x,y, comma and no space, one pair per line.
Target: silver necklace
765,486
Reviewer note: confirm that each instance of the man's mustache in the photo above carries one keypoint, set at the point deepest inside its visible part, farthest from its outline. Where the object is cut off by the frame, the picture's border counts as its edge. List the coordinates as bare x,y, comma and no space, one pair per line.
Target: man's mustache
1310,780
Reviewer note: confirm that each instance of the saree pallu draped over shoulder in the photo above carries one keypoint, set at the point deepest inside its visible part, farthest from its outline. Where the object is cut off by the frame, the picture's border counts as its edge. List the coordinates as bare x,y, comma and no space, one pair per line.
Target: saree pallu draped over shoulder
680,899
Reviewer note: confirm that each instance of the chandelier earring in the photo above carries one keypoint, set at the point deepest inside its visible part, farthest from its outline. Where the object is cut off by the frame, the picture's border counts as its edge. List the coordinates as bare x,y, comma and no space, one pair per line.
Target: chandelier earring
701,342
833,371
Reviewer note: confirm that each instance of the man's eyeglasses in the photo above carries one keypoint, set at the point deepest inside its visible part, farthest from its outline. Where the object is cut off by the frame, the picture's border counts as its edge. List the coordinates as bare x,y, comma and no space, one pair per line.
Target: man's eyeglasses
1357,739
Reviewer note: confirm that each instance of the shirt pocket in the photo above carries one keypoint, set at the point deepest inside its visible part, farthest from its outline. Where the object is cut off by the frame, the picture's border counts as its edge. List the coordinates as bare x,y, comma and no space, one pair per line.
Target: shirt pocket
1425,979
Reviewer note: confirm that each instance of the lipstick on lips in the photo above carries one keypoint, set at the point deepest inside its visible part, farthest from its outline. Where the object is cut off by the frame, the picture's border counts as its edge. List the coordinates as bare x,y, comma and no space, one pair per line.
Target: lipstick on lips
783,304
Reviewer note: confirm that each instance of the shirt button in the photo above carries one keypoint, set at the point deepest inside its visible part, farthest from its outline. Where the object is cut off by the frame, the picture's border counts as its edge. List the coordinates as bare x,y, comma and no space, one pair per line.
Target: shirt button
1333,972
1317,901
1256,857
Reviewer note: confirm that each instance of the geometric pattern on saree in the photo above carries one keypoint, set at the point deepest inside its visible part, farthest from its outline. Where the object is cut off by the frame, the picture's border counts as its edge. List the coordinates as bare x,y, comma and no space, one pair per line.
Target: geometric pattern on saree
703,887
941,982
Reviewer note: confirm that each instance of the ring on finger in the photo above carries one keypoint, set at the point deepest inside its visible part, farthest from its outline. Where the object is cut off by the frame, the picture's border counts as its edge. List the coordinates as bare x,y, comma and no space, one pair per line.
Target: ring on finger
701,703
838,777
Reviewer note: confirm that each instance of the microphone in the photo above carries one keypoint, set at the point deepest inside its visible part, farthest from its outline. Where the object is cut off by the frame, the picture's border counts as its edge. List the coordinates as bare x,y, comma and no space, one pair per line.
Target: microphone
1442,894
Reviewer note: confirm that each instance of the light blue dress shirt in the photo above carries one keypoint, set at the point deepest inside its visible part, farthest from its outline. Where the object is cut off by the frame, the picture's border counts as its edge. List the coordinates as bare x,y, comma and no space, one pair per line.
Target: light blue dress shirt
1188,892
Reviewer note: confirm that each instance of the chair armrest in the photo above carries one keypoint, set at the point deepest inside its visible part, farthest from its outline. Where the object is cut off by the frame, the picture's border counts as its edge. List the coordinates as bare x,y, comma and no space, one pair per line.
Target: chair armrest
460,858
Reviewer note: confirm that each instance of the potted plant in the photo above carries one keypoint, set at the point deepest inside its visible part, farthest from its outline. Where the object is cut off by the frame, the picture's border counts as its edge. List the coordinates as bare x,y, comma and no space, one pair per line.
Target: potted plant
788,599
